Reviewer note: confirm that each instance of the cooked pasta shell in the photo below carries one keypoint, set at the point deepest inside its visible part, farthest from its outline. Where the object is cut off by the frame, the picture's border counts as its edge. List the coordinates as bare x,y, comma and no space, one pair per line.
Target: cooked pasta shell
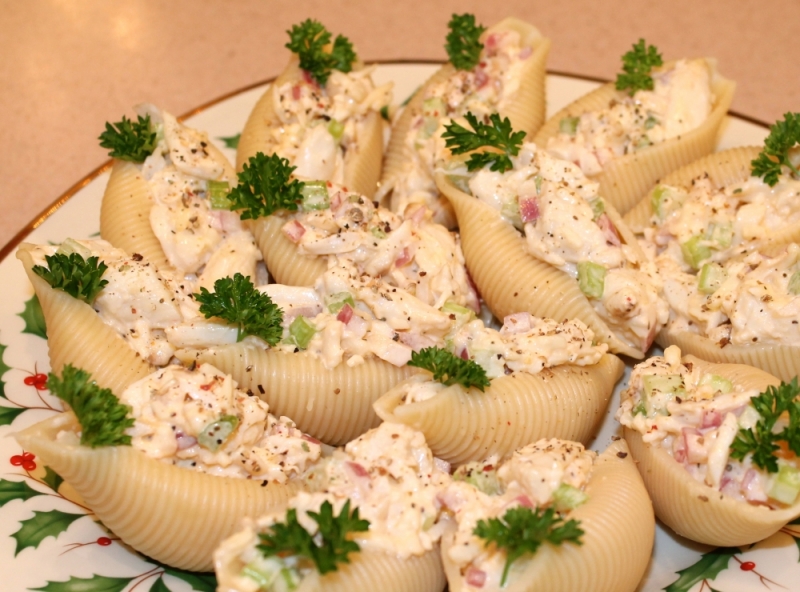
619,530
463,425
333,405
125,214
77,335
174,515
362,163
626,179
511,280
693,509
525,107
284,263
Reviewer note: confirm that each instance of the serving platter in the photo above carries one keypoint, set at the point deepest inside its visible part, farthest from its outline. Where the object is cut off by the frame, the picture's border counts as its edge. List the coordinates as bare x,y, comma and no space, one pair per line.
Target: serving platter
49,541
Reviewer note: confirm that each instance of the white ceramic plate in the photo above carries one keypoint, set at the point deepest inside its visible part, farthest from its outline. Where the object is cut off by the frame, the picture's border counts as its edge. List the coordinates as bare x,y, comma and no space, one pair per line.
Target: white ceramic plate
49,542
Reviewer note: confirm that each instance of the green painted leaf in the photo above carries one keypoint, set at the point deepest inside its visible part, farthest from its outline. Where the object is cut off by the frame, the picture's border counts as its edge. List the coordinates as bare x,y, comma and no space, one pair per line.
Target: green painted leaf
94,584
3,369
232,141
43,524
52,479
707,567
160,586
34,318
12,490
9,414
202,582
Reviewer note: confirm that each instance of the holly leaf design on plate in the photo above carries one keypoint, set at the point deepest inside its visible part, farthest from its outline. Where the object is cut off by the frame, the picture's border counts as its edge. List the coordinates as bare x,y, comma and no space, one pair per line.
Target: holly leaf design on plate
52,479
34,318
12,490
231,141
707,567
43,524
160,586
94,584
9,414
201,582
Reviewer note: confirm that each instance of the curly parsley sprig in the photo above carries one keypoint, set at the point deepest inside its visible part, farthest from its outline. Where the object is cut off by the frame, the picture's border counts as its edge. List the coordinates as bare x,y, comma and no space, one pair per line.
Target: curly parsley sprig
237,301
498,135
636,66
80,278
290,538
449,369
463,41
102,417
762,441
129,140
309,40
522,530
783,136
265,186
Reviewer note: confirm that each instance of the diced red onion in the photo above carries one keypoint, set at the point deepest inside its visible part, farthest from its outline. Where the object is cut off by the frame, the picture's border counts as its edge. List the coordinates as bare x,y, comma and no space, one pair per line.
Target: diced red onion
524,501
695,451
404,258
711,419
529,209
481,78
183,441
475,577
294,231
358,470
525,53
609,231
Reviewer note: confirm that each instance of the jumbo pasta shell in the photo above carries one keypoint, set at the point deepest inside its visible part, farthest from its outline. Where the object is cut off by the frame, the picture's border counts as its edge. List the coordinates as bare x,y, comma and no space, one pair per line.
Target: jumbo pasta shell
284,263
463,425
723,168
125,214
693,509
511,280
619,530
362,163
333,405
77,335
174,515
627,178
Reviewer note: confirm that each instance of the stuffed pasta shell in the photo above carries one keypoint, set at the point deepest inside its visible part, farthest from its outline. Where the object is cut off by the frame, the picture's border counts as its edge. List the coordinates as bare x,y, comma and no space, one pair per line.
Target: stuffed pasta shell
627,135
508,77
587,510
710,443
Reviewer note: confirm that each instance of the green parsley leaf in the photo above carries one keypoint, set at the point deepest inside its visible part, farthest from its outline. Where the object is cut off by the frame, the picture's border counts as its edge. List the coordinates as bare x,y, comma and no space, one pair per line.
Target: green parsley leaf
78,277
290,538
522,530
449,369
782,137
463,44
762,441
636,65
129,140
102,417
309,40
264,187
237,301
498,135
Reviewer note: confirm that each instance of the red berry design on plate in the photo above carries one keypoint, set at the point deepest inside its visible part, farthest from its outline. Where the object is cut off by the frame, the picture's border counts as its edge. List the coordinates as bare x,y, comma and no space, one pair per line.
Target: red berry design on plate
104,541
39,381
24,460
747,566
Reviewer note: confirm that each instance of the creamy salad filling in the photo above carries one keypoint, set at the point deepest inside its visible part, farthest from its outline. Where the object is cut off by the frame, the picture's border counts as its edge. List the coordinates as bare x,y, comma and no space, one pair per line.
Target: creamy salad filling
680,101
695,417
548,473
200,420
317,125
389,474
564,222
483,90
202,242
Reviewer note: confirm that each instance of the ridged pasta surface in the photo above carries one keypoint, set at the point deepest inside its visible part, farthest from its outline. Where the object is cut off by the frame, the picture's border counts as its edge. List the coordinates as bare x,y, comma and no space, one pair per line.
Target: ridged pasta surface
511,280
693,509
76,335
284,263
334,406
460,425
174,515
626,179
125,214
619,530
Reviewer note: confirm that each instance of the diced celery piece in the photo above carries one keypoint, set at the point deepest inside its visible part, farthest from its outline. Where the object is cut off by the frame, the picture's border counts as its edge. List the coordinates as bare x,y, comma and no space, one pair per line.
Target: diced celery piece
665,199
510,211
264,580
650,122
217,432
711,277
315,195
567,497
659,389
476,474
639,409
301,332
538,182
377,232
218,195
721,234
643,142
291,580
598,208
434,107
70,246
462,314
695,251
591,278
337,301
718,383
569,125
794,283
786,485
336,129
748,418
461,182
